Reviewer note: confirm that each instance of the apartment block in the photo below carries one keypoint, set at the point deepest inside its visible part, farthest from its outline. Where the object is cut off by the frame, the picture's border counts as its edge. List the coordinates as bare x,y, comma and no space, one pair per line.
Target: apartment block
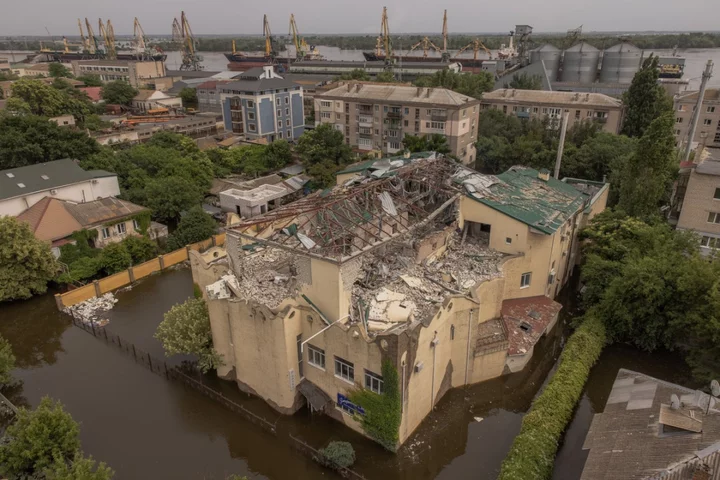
136,73
261,104
377,116
595,107
708,127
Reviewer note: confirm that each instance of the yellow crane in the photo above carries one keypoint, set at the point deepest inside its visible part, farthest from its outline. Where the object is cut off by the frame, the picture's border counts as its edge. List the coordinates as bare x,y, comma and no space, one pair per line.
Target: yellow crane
383,41
93,46
108,36
293,32
476,45
427,45
269,47
83,39
182,32
139,38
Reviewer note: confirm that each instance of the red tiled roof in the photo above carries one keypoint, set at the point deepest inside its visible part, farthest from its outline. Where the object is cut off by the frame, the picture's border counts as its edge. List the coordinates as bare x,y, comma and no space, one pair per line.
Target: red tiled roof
92,92
526,320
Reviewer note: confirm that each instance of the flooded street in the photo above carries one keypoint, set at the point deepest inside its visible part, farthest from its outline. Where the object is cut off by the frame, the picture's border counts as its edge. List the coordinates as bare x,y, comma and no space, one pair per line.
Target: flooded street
145,426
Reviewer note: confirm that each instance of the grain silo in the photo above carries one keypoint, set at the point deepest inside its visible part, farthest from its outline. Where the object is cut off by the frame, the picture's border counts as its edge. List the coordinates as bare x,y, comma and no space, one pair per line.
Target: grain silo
580,63
551,56
620,63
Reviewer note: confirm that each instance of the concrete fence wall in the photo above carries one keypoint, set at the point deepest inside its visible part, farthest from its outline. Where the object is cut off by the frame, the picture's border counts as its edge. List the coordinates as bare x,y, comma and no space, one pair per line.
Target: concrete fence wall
134,273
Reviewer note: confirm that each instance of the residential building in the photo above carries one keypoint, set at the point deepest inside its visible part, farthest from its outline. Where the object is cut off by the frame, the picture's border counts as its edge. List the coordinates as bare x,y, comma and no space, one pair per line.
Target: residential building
696,199
137,73
262,104
64,120
377,116
111,219
442,274
595,107
193,126
93,93
4,64
208,96
708,127
261,199
653,429
150,101
23,187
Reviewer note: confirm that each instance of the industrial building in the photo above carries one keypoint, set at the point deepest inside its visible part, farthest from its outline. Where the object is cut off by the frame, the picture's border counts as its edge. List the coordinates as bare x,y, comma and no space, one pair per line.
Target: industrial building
708,127
377,116
412,265
260,104
136,73
594,107
406,71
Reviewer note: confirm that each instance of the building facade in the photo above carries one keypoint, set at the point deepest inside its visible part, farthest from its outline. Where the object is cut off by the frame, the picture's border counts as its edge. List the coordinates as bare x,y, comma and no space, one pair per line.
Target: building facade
708,127
425,274
376,117
208,96
21,188
595,107
136,73
147,100
261,104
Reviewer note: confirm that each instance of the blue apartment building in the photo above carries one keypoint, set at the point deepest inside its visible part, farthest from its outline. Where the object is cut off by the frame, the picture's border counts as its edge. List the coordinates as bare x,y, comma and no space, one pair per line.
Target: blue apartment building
262,104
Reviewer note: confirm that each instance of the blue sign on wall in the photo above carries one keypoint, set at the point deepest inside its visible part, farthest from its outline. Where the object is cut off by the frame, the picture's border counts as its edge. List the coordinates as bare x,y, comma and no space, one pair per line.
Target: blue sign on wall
345,403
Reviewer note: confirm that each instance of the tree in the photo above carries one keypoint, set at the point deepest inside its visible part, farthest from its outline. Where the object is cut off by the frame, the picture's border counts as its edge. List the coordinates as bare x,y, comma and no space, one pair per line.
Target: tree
93,122
189,97
169,196
57,70
427,143
118,92
355,74
78,468
385,77
278,154
470,84
31,96
7,361
323,143
140,248
645,100
649,172
525,81
27,140
186,330
26,263
115,258
601,156
195,226
90,80
37,438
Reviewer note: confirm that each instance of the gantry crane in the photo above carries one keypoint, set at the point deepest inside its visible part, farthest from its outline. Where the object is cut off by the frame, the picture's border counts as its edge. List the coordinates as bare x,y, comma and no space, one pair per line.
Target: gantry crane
269,40
476,45
383,41
181,32
302,50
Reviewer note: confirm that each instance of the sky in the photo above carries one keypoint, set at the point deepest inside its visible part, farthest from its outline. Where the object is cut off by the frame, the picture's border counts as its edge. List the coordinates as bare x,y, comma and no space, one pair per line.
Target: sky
31,17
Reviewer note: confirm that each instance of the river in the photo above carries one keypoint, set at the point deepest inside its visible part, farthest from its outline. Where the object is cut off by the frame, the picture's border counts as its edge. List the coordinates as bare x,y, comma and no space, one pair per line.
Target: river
146,427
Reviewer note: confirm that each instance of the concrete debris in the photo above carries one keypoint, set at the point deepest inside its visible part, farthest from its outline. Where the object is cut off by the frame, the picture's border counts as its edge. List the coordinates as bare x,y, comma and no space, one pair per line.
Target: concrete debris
305,240
478,419
90,311
218,290
267,276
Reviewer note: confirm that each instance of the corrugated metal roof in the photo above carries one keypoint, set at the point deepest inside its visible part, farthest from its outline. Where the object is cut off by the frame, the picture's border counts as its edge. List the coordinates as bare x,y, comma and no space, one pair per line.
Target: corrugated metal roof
103,210
39,177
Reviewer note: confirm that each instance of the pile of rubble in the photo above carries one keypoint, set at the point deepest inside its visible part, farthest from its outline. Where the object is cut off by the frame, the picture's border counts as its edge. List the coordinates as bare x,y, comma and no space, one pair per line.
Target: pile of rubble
267,276
92,310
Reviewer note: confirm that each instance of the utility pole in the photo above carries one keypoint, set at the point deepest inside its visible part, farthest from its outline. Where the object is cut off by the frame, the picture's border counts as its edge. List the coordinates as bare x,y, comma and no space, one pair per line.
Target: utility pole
561,146
698,106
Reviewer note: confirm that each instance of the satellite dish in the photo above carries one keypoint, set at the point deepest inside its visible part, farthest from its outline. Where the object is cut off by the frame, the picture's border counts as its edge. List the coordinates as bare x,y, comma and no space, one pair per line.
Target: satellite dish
715,388
674,402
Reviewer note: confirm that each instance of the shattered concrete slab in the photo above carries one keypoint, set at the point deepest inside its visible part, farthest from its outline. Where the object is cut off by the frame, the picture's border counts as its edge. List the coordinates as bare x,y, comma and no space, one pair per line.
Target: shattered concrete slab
91,310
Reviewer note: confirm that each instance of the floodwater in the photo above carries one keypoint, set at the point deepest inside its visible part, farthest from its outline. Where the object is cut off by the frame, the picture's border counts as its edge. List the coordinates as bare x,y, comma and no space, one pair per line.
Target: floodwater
144,426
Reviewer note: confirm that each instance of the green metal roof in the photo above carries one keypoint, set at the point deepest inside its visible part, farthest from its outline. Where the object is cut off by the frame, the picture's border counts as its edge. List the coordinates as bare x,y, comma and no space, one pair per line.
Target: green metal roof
520,194
369,164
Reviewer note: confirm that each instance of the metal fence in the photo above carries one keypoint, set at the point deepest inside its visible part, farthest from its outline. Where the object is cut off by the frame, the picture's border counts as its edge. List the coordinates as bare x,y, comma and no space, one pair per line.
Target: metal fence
320,458
188,375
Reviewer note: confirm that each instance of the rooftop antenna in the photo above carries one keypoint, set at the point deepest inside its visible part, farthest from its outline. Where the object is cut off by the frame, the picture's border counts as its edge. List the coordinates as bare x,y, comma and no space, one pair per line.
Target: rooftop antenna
674,402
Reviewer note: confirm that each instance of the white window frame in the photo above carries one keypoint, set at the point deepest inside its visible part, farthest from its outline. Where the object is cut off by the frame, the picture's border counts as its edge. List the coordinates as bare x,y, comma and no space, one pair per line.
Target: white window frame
105,232
710,109
250,104
373,382
714,217
707,121
316,357
326,104
136,224
349,374
251,115
710,242
121,228
525,279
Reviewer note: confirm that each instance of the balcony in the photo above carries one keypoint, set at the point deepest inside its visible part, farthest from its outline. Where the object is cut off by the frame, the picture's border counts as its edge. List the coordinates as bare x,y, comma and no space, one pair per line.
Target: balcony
365,121
439,117
397,114
523,114
365,109
365,134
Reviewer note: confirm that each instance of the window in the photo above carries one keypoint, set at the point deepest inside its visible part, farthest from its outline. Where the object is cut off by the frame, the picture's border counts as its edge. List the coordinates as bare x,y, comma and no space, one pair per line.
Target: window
136,224
406,122
105,232
678,120
288,134
279,123
714,217
717,194
429,112
287,123
344,370
298,342
677,132
326,104
394,145
251,127
464,113
577,114
279,112
544,110
525,280
337,116
120,228
287,111
437,125
287,101
707,121
710,242
407,111
508,240
251,115
277,102
280,134
681,108
377,108
250,104
373,382
504,108
710,110
515,109
325,115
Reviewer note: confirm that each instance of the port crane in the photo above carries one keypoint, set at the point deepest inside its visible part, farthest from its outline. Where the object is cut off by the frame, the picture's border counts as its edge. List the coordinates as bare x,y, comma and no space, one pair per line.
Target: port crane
269,40
139,39
426,45
476,46
87,47
93,44
108,35
383,40
302,51
181,32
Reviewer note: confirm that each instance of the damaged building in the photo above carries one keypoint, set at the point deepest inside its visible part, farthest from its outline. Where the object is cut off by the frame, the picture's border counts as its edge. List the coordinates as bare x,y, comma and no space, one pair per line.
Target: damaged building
446,274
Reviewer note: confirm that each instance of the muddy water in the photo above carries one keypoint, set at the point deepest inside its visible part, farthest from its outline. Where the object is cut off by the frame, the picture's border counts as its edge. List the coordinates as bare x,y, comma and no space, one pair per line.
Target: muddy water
147,427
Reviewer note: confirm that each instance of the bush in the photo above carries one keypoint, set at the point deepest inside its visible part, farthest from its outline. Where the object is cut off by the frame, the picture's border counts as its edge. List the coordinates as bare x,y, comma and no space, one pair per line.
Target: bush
338,455
532,454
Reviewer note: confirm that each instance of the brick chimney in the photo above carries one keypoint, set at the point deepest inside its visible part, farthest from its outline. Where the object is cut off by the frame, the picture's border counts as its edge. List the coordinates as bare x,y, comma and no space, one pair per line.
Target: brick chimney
544,175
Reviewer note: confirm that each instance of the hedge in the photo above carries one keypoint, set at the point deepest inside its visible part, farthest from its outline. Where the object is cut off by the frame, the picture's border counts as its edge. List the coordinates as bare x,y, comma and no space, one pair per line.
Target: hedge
533,451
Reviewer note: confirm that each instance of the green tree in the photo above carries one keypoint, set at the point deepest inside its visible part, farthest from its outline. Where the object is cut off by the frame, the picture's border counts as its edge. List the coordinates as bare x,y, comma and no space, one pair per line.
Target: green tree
26,263
168,197
31,96
525,81
115,258
338,454
601,156
7,361
645,100
427,143
195,226
37,438
385,77
78,468
57,70
356,74
186,330
90,80
27,140
470,84
189,97
118,92
141,249
649,172
323,151
278,154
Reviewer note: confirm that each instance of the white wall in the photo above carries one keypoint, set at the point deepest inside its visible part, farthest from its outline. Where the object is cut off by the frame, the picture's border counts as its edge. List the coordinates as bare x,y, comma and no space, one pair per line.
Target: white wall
85,191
